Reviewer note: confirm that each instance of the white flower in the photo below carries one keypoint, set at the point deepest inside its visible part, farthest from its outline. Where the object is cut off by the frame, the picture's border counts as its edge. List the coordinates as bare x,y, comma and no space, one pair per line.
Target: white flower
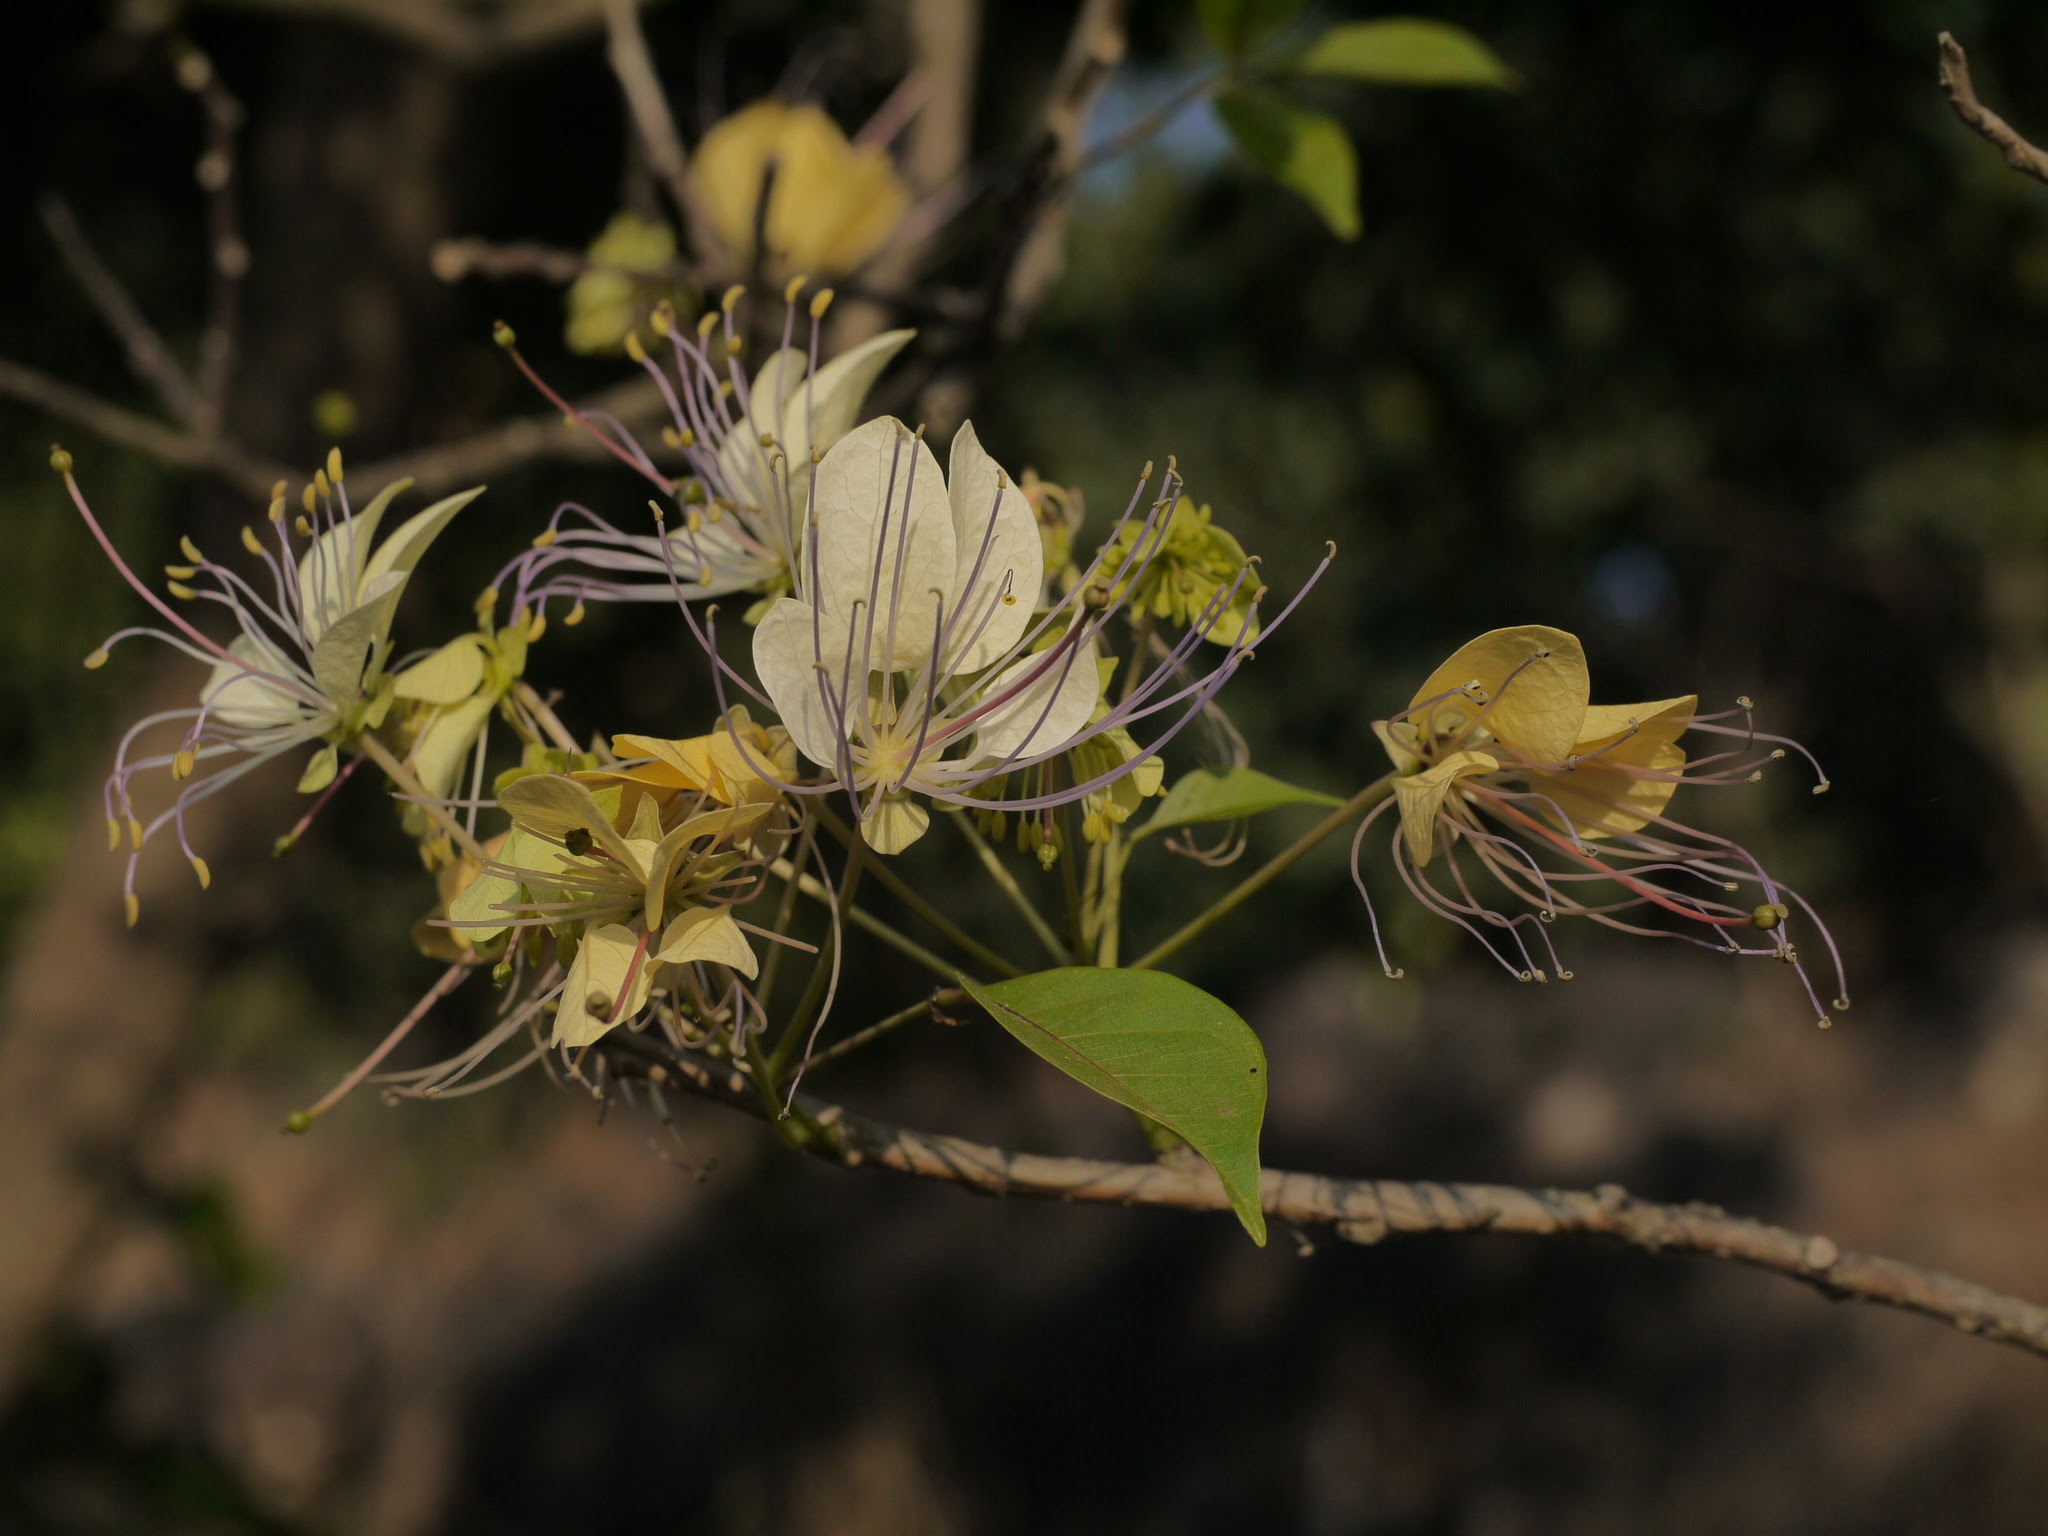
906,662
307,661
749,444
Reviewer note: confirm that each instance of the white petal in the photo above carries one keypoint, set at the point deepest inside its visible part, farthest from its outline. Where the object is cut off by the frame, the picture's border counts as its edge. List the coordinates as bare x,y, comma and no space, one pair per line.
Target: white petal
999,556
1050,712
894,824
885,541
448,676
786,649
245,700
842,385
402,551
331,568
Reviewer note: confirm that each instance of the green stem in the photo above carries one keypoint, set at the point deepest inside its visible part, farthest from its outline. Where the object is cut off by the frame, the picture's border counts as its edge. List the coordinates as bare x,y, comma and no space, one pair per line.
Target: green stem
1000,873
786,909
405,779
807,1006
1110,903
893,884
875,1031
1252,884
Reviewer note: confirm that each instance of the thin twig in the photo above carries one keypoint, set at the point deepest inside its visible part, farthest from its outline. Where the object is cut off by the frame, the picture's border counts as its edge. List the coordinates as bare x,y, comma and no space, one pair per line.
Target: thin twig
1368,1210
656,125
148,358
458,35
228,252
895,1021
894,884
1955,82
1266,873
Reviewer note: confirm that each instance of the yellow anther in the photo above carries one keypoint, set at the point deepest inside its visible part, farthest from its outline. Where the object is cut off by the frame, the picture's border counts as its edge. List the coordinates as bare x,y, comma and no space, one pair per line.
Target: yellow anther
180,572
544,538
735,345
205,875
820,302
249,540
731,297
191,551
575,614
277,509
321,484
135,833
725,389
693,520
1768,916
134,907
487,599
796,286
277,491
182,763
60,461
1147,475
707,323
179,589
1009,599
503,335
689,437
655,507
113,835
767,439
537,628
334,464
634,350
96,660
671,438
663,319
306,500
305,528
703,575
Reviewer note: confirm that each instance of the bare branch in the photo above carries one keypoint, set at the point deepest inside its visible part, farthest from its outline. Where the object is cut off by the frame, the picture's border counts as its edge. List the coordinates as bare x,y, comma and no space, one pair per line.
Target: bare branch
148,358
1367,1210
131,429
227,251
1955,82
454,33
648,104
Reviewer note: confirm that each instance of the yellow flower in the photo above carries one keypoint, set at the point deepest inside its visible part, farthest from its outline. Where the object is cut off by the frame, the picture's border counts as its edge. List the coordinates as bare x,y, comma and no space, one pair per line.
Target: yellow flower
1501,756
726,765
1515,701
605,305
830,204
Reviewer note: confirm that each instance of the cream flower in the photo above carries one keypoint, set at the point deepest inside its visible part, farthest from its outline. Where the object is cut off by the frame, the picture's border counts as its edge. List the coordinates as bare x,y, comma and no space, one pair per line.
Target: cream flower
830,204
903,665
1500,753
306,662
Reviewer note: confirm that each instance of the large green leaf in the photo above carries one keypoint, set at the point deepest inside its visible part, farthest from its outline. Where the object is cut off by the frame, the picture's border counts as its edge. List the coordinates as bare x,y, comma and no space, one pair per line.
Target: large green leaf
1404,50
1235,27
1210,794
1155,1044
1306,152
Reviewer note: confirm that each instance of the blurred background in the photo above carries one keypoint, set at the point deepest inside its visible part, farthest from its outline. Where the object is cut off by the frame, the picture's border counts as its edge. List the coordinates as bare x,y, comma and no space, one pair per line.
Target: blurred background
1721,344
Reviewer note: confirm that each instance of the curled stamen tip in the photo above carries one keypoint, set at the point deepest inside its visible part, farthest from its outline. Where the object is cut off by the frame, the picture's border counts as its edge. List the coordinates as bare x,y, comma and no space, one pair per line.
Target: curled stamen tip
1840,1004
1822,787
1777,753
205,875
504,335
1541,977
1549,915
1525,976
1757,777
544,538
96,660
1395,973
1564,975
1825,1022
1330,546
297,1123
60,461
1743,701
132,906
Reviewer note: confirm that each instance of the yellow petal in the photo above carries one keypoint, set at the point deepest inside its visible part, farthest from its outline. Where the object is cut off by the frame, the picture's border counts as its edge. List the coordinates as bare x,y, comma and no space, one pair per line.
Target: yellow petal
1607,793
1399,737
1421,796
596,977
1538,713
553,805
707,933
448,676
894,824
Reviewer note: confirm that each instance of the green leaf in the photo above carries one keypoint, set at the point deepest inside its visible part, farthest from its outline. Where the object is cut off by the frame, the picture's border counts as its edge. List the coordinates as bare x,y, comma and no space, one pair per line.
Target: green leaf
1155,1044
1306,152
1235,27
1210,795
1403,50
